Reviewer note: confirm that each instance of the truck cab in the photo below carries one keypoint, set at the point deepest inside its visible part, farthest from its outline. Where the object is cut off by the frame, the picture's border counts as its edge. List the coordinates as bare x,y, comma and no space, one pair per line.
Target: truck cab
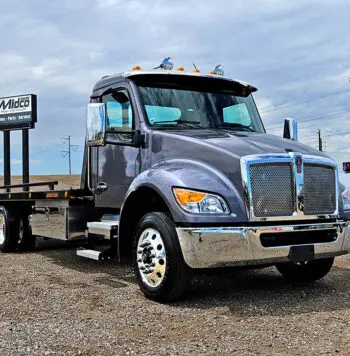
180,174
185,162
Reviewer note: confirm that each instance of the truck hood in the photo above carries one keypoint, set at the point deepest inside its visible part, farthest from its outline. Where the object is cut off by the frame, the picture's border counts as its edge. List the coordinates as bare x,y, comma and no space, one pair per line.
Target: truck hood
235,144
209,160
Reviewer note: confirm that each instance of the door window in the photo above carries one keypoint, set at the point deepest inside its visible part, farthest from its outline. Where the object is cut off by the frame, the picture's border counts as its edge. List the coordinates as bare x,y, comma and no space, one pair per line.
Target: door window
119,111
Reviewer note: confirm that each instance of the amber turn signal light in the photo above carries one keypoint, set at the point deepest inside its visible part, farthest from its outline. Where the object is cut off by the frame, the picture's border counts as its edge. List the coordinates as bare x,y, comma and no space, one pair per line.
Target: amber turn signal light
184,196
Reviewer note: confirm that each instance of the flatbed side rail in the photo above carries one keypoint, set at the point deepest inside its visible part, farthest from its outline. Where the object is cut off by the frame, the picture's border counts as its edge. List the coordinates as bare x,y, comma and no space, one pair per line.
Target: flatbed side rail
51,185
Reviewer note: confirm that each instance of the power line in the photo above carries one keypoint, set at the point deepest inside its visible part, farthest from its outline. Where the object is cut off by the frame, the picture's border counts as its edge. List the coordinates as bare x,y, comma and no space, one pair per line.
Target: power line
315,118
68,152
337,133
304,102
47,150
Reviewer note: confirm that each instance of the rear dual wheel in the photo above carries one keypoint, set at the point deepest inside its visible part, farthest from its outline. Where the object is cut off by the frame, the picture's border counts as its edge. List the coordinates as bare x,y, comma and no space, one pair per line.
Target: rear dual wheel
15,231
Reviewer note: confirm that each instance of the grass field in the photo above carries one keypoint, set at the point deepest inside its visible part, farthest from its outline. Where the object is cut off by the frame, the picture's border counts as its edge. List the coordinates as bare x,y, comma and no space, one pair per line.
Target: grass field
64,181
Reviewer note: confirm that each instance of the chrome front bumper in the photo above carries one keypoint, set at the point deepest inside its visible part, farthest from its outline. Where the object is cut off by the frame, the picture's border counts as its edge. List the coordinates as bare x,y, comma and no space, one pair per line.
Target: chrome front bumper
239,246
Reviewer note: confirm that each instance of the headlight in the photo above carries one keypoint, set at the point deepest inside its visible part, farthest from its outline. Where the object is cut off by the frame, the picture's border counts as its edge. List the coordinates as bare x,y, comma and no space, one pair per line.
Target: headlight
200,202
346,199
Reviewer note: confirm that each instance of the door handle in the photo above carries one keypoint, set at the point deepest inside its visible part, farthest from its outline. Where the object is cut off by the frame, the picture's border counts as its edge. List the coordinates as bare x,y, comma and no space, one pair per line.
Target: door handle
101,187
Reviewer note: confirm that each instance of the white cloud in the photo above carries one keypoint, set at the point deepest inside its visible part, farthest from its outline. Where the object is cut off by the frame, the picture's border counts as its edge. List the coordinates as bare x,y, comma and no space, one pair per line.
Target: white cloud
293,51
107,3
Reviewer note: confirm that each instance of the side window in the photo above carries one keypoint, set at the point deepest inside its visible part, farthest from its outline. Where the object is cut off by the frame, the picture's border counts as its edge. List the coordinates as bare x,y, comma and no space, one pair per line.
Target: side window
119,111
237,114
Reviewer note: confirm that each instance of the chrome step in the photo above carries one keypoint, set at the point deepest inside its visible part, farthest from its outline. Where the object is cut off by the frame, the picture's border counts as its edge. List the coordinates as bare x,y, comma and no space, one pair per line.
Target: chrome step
92,254
107,229
96,255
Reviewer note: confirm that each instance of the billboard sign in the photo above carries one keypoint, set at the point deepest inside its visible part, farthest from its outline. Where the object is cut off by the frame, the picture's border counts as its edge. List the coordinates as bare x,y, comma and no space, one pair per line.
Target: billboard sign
18,112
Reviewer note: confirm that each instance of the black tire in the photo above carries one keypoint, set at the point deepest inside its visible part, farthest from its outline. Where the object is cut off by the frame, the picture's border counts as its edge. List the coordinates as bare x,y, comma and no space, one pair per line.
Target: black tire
10,230
27,240
175,277
307,272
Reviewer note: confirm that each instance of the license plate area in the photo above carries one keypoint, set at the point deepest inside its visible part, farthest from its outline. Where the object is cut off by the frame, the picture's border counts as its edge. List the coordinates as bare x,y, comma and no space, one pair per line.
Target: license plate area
302,253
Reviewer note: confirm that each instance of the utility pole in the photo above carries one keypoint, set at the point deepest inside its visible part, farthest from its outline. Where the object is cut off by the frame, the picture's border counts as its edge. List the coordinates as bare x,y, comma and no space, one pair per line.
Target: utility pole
319,140
69,151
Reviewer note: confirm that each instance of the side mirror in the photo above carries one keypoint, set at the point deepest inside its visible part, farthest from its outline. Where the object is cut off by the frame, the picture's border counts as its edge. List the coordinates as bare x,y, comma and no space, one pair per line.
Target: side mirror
346,167
290,129
96,124
97,135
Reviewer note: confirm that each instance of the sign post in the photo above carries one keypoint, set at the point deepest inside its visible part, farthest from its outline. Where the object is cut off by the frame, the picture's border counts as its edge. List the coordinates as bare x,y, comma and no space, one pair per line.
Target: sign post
25,157
17,113
7,158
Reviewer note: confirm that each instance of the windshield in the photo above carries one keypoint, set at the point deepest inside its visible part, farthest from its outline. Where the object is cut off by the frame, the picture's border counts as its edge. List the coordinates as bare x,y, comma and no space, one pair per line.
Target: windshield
183,108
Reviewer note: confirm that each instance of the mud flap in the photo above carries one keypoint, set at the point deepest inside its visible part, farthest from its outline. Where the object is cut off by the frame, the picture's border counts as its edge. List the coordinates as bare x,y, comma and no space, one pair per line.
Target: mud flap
302,253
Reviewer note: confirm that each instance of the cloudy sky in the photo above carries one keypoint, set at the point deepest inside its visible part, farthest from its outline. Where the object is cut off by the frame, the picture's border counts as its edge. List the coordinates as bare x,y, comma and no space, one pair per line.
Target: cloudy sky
296,52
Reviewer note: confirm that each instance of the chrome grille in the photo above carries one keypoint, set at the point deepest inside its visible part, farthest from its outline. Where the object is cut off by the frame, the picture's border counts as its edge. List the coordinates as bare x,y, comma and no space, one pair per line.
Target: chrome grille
272,189
319,189
289,186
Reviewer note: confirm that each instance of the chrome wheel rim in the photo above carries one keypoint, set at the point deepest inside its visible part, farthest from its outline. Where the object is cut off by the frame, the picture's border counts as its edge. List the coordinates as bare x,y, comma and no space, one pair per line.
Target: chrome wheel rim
151,257
2,229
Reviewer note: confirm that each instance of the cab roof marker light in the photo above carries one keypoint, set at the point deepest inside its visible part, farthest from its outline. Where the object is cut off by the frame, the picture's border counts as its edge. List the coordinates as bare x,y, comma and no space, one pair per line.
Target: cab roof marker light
136,68
181,69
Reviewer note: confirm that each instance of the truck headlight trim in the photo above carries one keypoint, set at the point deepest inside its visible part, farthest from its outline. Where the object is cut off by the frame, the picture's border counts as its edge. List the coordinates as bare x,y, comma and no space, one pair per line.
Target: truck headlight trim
200,202
346,199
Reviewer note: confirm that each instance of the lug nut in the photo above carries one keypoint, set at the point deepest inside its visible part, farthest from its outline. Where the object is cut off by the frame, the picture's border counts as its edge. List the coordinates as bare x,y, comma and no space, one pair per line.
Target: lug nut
146,243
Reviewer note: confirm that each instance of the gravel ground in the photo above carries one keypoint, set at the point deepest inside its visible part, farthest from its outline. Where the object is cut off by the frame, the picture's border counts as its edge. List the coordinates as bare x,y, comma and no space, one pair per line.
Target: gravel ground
54,303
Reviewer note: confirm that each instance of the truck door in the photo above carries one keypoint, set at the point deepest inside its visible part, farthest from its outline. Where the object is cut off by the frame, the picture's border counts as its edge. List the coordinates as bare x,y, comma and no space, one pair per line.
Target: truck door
114,166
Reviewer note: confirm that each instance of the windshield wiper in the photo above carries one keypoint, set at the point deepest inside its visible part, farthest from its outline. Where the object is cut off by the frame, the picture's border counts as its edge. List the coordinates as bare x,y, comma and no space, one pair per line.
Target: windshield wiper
236,126
185,122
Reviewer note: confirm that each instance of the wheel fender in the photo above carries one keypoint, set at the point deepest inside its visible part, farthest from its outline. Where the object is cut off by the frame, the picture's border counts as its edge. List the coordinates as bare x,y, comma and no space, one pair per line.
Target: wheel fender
163,176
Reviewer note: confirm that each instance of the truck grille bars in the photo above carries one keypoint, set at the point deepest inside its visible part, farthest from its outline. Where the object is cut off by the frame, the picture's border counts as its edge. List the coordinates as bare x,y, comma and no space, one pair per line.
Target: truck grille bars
319,189
271,186
289,186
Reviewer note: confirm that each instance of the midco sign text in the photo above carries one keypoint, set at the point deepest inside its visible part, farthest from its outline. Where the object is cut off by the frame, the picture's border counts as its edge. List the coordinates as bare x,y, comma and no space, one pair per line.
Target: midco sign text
18,112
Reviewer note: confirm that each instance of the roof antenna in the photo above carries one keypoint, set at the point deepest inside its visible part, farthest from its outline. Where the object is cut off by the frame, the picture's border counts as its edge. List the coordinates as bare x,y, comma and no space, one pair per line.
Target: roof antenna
196,70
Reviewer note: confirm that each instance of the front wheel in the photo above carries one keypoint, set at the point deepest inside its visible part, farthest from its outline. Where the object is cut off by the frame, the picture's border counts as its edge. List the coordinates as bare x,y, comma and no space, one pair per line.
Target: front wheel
305,272
158,262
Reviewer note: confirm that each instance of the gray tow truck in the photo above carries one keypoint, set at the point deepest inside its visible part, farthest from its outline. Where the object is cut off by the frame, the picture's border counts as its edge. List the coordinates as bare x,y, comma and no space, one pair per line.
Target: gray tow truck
180,174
